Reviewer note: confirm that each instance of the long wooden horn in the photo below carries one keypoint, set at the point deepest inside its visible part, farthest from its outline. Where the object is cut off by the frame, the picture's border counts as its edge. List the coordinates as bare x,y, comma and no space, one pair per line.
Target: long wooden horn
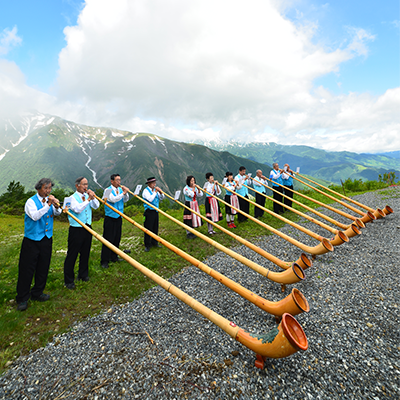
340,237
295,303
321,248
303,260
349,230
366,217
355,220
280,342
378,212
292,275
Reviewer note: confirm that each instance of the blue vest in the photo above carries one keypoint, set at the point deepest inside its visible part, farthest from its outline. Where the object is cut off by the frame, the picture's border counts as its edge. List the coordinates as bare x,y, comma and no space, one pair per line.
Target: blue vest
85,216
243,191
288,182
259,189
275,181
155,202
37,230
230,187
119,205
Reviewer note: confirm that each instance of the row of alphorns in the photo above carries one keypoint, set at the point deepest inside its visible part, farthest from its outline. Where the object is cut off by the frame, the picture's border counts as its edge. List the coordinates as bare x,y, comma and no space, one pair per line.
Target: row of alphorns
288,337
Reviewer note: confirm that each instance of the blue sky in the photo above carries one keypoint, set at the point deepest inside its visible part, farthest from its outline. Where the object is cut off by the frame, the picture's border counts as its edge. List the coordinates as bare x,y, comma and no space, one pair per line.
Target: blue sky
40,25
292,72
380,68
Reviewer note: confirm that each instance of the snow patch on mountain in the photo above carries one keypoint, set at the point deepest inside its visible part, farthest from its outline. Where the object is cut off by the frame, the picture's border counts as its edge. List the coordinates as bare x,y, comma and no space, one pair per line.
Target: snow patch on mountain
81,145
131,139
2,155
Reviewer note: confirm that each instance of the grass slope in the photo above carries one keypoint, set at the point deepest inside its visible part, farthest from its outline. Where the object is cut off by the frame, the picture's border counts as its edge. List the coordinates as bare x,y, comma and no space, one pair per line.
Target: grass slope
22,332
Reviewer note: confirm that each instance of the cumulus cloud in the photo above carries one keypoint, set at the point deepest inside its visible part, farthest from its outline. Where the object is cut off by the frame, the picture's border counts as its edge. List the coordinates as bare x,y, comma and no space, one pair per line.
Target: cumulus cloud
197,60
230,69
205,69
8,40
15,95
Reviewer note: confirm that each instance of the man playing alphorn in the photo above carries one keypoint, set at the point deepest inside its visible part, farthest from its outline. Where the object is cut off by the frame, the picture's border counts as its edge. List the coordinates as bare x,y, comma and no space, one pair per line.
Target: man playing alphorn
35,255
287,179
275,176
112,227
79,239
153,195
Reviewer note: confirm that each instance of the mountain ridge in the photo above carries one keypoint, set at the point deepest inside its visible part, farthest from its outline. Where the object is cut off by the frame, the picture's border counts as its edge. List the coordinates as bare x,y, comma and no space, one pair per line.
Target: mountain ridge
64,150
321,164
36,145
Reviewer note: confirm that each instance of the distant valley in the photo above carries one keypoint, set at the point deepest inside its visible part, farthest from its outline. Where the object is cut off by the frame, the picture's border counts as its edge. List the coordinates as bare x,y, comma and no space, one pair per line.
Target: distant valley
321,164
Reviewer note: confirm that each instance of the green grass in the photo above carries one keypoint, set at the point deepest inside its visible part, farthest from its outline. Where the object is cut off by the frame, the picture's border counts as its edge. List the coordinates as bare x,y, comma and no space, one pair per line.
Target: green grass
22,332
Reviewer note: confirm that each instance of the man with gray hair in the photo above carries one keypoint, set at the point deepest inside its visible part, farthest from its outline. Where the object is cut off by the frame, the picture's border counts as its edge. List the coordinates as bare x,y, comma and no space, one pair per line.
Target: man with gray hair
79,239
35,255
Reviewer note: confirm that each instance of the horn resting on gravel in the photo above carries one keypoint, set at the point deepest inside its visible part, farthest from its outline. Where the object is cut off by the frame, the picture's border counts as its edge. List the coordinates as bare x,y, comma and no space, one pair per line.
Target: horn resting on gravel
281,341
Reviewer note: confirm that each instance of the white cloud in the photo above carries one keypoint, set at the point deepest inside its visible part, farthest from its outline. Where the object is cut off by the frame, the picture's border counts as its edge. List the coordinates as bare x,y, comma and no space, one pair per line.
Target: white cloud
227,69
9,39
396,23
15,95
197,60
360,37
235,68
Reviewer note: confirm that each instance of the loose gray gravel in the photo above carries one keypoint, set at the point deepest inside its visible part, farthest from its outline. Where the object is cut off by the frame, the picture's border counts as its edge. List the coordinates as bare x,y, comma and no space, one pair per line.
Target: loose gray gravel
352,328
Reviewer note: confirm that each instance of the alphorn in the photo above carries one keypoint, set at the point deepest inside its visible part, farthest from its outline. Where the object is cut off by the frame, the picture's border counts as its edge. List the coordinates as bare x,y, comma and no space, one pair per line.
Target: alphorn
292,275
378,212
355,220
282,341
366,217
340,237
321,248
349,232
303,260
295,303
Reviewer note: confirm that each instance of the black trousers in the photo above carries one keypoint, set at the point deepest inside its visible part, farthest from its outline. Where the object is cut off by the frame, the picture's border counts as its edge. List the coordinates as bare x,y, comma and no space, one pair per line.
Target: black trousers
244,206
79,242
112,232
278,209
260,199
34,260
150,223
288,193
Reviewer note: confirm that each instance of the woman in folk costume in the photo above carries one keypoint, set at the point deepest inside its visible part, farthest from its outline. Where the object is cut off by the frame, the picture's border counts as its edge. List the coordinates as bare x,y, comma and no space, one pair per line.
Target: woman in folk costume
213,211
231,198
191,193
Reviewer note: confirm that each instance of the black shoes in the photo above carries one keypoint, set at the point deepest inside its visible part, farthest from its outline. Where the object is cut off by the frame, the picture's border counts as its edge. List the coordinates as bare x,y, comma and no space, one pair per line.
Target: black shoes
42,297
70,286
146,249
104,265
127,251
85,279
191,235
22,306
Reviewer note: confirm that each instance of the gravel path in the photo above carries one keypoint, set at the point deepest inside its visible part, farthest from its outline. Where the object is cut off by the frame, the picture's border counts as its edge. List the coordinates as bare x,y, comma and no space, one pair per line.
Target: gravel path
353,329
